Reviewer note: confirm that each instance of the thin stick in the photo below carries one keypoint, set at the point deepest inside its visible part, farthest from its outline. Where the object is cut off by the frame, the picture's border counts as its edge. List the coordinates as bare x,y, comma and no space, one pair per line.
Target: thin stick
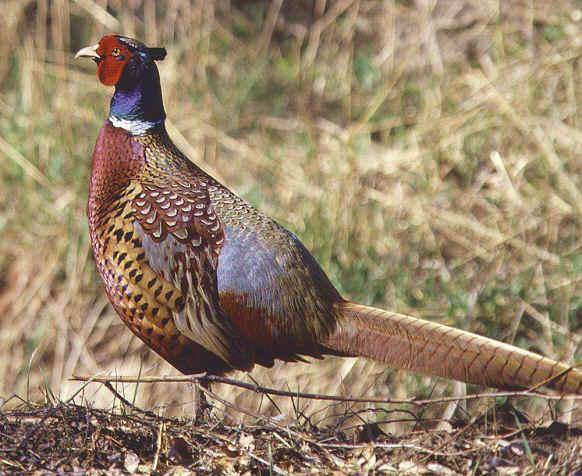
158,447
270,466
394,446
317,396
127,403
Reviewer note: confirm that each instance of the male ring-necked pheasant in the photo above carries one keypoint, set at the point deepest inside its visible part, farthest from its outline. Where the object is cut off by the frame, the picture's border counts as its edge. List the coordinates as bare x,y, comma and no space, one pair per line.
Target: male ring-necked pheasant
211,284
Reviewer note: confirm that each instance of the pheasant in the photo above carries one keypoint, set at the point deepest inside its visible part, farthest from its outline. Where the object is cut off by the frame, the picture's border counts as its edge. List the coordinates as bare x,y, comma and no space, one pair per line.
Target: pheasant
212,285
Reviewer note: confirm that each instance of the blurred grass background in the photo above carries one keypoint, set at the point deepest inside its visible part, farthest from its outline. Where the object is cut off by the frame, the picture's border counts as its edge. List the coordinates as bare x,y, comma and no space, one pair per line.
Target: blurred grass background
429,153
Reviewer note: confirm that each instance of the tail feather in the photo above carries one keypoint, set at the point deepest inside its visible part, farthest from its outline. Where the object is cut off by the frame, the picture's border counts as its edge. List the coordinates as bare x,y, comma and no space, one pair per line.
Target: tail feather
434,349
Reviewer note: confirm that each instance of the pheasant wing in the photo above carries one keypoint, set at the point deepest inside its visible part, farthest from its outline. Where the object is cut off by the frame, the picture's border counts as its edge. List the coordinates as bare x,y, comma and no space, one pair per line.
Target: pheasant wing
182,237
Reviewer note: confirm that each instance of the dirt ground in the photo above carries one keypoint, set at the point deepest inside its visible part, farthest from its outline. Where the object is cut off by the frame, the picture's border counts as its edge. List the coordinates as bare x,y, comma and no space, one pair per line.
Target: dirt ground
83,440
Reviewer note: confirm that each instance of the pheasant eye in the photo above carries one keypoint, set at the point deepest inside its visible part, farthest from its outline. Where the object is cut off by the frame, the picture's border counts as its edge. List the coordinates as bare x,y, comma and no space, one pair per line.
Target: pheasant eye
115,52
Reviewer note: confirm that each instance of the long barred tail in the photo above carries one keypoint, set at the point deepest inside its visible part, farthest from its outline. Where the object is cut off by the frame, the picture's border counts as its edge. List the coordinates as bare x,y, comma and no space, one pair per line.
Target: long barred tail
429,348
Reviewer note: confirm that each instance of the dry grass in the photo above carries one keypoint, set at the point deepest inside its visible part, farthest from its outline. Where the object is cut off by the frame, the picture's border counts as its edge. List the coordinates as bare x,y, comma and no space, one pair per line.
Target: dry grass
428,153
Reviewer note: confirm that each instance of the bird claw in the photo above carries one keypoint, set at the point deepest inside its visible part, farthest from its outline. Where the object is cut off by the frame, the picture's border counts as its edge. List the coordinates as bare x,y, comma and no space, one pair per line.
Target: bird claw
200,378
201,408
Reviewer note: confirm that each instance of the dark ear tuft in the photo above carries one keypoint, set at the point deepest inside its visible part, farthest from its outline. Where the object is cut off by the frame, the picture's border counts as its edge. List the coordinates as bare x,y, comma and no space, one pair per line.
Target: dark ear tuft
157,54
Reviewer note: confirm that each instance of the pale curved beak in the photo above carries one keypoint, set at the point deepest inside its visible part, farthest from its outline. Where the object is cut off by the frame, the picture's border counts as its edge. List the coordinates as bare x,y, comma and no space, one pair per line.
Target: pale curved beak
88,52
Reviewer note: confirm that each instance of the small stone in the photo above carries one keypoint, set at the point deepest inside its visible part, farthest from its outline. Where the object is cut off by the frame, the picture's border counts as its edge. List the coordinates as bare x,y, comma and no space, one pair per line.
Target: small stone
131,462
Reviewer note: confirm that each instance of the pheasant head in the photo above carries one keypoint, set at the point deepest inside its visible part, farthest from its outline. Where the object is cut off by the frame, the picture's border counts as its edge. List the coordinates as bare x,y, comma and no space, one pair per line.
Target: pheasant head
130,66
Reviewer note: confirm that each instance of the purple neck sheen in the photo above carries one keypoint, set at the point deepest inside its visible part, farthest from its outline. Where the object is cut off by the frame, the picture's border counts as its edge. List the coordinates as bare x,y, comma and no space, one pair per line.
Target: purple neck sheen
139,100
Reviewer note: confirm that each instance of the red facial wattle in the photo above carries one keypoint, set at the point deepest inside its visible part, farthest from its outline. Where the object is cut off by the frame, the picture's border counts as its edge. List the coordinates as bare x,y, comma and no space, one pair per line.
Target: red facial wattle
114,55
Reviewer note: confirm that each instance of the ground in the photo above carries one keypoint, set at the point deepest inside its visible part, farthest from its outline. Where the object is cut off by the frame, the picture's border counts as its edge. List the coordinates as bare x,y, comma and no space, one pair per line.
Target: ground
78,439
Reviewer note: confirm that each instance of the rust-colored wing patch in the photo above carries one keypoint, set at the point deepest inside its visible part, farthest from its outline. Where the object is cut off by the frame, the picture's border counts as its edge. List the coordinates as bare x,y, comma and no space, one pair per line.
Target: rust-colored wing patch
183,211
